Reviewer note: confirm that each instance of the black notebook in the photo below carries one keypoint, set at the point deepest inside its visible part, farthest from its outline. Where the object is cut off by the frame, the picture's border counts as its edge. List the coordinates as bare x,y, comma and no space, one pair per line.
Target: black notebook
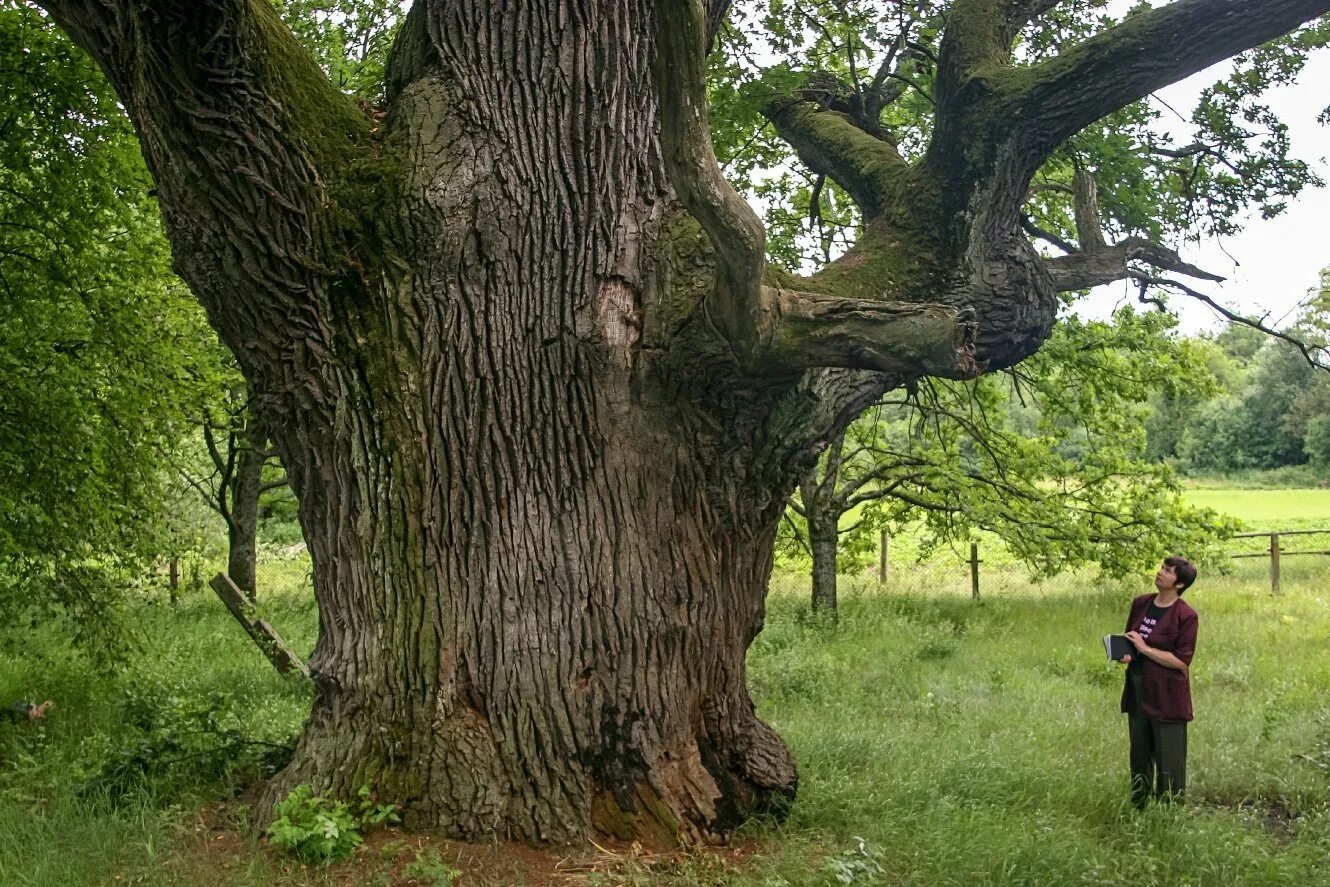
1116,646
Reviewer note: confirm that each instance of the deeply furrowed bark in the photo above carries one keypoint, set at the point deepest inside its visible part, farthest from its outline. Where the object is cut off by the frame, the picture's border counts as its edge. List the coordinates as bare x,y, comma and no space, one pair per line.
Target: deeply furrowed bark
563,571
539,411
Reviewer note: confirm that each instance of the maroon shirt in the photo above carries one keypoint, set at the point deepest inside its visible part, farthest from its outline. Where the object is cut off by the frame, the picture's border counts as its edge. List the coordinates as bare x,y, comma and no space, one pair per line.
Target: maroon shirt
1165,692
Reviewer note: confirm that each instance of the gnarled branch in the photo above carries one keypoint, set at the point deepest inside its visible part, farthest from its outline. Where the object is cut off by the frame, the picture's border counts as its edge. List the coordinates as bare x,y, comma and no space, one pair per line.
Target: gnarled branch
1083,270
1096,262
869,169
817,330
1059,97
737,236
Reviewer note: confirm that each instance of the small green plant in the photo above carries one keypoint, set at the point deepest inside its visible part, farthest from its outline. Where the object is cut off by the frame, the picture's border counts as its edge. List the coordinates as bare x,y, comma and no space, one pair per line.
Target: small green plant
320,830
429,869
858,865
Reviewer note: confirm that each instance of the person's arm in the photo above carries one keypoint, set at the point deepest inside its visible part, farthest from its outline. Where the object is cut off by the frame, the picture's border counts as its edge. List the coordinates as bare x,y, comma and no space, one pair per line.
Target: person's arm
1131,619
1180,658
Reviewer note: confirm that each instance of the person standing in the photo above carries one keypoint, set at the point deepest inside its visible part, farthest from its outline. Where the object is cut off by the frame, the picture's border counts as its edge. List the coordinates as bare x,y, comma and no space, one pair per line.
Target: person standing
1156,696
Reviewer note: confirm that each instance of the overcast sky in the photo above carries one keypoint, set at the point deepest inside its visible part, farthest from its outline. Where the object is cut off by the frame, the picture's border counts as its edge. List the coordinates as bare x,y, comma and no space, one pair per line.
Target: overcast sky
1273,263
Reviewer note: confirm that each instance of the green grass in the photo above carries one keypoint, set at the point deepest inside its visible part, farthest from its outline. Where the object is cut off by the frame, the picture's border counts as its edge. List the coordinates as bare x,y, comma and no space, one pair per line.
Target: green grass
1268,509
939,743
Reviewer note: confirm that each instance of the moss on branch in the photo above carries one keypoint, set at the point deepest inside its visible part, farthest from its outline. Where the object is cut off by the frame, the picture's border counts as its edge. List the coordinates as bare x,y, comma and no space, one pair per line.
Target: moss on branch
1146,52
818,330
870,170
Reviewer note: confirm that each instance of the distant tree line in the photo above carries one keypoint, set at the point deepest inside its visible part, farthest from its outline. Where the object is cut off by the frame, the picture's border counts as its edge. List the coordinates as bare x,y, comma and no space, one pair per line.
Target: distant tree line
1271,409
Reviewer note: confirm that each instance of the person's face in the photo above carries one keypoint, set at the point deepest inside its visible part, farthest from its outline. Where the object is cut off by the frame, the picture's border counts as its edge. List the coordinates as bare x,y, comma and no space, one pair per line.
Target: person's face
1166,578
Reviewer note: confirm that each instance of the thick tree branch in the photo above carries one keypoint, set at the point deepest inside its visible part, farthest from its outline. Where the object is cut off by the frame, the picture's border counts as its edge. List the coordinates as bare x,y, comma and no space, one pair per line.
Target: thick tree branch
1089,220
869,169
1083,270
412,53
1146,52
735,306
781,331
246,140
817,330
976,37
1095,262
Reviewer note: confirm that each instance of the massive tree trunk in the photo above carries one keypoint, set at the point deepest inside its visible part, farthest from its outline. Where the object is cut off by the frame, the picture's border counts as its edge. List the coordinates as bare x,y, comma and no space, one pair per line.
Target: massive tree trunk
539,406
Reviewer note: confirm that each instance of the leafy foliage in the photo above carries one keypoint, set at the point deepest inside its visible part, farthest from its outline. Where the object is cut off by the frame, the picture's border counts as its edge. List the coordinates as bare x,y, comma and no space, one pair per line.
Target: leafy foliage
430,869
101,347
1051,457
319,830
175,739
1275,407
350,39
876,62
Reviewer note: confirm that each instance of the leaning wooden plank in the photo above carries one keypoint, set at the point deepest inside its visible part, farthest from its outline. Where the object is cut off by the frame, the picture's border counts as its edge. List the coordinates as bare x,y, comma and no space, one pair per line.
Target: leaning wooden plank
267,638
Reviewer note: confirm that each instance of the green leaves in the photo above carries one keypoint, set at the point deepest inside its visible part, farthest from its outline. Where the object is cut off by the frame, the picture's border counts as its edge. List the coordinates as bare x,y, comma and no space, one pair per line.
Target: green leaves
1237,157
319,830
350,39
101,346
1051,456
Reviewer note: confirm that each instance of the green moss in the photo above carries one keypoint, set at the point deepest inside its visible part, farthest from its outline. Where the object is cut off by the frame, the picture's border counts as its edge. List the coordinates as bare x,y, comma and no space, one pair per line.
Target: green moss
319,115
884,262
362,170
682,273
870,169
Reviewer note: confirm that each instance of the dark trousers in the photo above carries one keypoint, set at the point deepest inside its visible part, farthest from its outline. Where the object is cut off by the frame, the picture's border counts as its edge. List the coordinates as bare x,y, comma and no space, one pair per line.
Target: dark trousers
1158,759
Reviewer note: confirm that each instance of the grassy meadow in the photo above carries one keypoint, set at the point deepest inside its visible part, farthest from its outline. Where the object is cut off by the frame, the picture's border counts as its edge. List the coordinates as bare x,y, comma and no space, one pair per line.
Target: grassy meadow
1268,509
939,742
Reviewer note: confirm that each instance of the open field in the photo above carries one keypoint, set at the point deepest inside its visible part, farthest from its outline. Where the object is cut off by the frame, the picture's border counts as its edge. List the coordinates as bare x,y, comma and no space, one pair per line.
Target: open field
939,743
1267,509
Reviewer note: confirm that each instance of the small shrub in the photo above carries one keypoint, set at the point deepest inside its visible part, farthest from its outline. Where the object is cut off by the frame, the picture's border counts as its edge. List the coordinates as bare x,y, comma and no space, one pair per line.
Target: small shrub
320,830
858,865
430,869
174,738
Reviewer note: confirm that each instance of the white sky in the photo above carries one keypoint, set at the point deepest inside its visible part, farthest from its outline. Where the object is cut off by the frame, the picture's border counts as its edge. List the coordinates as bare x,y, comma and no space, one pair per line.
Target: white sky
1271,264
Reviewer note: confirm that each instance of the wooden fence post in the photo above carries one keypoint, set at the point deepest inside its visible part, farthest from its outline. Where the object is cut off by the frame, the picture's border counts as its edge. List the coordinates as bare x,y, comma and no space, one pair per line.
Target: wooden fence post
974,570
882,558
1274,563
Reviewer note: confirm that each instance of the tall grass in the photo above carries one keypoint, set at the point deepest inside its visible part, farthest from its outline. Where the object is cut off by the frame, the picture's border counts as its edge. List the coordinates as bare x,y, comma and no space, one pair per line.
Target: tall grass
939,742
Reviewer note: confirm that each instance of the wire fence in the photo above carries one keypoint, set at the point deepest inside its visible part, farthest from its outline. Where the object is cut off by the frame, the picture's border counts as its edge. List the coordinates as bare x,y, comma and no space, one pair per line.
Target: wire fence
983,569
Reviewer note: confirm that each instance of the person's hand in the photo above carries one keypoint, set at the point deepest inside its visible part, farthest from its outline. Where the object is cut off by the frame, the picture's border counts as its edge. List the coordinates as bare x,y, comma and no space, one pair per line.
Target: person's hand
1126,659
1136,640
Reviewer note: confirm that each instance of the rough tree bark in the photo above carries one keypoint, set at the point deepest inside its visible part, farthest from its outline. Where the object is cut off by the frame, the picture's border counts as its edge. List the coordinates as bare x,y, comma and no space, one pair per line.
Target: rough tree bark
538,397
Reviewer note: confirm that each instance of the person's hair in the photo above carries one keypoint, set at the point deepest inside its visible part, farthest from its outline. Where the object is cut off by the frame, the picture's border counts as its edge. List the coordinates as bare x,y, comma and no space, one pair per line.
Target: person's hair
1183,570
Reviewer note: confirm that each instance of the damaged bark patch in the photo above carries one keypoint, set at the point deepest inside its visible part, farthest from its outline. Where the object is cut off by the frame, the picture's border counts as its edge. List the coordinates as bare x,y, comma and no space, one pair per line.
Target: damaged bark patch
619,316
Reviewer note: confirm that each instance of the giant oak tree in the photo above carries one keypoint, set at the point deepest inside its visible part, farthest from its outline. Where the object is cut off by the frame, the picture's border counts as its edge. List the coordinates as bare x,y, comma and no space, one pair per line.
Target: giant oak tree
538,393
